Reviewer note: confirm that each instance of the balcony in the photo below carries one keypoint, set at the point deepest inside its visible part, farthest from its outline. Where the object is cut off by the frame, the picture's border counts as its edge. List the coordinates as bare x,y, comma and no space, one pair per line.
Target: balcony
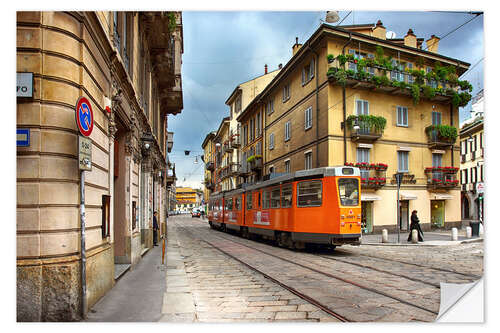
373,176
210,166
441,177
256,164
440,136
170,141
209,185
235,169
364,128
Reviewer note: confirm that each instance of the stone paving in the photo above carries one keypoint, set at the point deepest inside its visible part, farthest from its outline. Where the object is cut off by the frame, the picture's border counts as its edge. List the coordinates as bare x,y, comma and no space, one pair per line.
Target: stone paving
204,285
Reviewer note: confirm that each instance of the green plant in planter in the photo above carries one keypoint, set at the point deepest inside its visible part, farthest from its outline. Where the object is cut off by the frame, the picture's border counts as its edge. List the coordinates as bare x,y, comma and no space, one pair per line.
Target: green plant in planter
251,159
465,85
342,59
444,131
377,80
453,79
419,76
361,75
429,92
465,97
419,61
340,76
415,93
330,58
375,122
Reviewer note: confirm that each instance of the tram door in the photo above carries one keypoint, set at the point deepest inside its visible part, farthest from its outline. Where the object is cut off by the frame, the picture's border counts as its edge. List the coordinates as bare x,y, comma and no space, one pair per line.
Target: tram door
404,214
366,216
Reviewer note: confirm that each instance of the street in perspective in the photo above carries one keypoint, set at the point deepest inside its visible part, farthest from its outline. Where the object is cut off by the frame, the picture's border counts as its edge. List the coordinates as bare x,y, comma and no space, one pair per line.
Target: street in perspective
334,173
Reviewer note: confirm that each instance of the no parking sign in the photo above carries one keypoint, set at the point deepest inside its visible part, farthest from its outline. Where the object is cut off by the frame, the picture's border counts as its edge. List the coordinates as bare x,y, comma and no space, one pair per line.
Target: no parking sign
84,116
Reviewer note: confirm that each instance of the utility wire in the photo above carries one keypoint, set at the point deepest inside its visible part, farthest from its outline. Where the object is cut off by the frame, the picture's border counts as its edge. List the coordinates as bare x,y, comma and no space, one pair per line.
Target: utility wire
470,68
456,29
344,18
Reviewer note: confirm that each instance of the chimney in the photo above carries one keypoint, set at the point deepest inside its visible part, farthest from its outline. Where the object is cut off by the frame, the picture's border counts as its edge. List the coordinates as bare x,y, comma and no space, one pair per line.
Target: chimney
410,39
280,66
379,30
265,69
432,44
297,46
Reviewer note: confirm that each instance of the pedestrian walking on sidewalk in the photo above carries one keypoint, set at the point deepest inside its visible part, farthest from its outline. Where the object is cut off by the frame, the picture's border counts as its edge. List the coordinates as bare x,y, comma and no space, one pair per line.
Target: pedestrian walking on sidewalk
415,224
155,229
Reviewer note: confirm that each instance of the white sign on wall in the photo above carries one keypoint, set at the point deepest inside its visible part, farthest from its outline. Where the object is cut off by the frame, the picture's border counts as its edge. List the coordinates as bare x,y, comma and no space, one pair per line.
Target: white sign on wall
24,85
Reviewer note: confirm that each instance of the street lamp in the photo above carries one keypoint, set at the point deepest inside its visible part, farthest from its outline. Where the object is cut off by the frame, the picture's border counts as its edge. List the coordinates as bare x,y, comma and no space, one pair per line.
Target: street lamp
356,125
470,139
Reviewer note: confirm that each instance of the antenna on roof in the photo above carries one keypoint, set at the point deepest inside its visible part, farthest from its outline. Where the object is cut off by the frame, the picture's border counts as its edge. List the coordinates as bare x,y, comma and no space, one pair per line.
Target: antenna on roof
390,35
332,16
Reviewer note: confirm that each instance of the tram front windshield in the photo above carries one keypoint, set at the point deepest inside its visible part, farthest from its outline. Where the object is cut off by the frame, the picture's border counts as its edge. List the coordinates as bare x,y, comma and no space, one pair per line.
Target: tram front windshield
349,191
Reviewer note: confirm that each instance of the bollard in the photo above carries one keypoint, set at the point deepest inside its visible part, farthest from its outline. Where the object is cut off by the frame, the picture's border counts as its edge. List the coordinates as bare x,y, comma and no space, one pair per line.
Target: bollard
414,236
454,234
385,236
481,230
468,232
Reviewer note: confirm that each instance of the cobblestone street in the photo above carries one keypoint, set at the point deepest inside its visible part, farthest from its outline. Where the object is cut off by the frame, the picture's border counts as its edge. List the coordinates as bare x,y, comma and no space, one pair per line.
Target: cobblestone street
219,277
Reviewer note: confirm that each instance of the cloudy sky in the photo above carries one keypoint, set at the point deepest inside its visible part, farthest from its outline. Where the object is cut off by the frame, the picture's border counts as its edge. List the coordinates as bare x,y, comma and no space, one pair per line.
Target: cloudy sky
223,49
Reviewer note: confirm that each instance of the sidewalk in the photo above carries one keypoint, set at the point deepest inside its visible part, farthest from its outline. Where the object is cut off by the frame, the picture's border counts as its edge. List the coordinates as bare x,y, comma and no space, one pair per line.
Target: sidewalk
431,238
137,296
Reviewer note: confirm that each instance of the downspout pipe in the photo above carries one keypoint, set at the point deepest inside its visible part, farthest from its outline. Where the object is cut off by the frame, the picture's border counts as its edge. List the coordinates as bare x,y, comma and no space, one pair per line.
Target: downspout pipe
451,123
343,104
317,101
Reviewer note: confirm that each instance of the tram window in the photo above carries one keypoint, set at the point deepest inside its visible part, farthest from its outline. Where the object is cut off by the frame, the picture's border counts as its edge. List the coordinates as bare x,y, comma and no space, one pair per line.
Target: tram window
275,198
258,202
286,196
249,200
265,198
309,193
349,191
229,204
237,202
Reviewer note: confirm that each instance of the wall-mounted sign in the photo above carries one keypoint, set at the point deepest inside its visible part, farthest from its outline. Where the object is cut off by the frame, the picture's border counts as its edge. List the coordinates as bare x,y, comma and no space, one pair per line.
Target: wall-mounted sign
23,137
24,85
84,153
84,116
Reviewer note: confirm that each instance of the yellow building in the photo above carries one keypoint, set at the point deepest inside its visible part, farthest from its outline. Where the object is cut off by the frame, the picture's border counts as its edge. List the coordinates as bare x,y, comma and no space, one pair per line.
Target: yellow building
349,95
186,199
223,157
208,158
107,57
472,162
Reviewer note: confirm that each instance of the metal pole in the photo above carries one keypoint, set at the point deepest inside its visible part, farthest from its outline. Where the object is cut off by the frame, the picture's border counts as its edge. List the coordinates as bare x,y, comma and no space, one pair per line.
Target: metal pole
82,245
398,221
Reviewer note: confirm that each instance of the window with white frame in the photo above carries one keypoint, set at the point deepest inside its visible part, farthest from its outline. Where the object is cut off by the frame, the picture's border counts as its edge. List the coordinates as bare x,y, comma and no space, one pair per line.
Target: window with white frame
402,161
308,118
360,55
287,166
432,82
436,160
363,156
308,160
270,106
397,72
409,76
308,72
436,118
402,116
271,141
362,107
288,129
286,92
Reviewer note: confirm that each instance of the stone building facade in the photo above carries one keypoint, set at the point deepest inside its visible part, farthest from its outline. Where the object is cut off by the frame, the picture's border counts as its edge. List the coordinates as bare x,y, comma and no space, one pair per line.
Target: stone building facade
127,64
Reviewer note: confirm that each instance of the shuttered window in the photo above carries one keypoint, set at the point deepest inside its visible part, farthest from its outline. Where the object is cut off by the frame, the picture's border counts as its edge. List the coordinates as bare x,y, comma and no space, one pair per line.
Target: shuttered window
288,127
362,107
308,118
402,116
402,161
436,118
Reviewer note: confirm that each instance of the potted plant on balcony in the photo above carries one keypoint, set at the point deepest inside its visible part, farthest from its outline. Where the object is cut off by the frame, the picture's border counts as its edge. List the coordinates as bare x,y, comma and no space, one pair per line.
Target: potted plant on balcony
372,180
362,165
381,181
381,166
436,181
330,58
373,166
363,181
349,164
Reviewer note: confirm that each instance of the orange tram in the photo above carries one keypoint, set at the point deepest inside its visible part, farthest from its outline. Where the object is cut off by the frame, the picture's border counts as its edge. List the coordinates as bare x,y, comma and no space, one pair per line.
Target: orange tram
317,206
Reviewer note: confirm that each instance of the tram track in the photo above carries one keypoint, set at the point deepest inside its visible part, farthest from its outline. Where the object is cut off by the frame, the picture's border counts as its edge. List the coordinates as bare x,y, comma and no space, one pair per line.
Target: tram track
309,268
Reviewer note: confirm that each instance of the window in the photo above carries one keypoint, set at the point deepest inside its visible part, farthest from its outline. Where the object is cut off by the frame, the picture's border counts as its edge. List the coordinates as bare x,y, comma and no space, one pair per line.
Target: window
309,193
258,124
270,106
286,92
286,196
238,104
432,83
402,161
288,126
106,199
363,155
275,198
475,142
287,166
229,204
402,116
245,135
271,141
358,55
481,140
465,178
482,179
308,118
409,77
436,160
266,194
362,107
252,129
308,160
308,72
348,191
398,71
249,200
237,203
436,118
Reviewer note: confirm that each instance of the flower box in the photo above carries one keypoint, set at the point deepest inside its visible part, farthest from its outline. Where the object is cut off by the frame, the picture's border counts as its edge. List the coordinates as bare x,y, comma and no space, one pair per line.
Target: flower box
363,165
381,166
349,164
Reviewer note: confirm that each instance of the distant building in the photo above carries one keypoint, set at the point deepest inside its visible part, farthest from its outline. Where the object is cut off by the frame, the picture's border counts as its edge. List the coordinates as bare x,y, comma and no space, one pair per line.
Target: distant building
472,162
186,199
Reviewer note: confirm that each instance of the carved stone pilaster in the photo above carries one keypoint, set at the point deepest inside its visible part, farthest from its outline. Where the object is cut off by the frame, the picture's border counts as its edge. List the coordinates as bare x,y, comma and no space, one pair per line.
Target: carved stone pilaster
129,144
147,165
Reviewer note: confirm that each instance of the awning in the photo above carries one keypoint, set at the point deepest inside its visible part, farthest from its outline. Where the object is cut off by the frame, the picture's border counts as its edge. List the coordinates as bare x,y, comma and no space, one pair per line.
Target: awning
441,197
407,196
369,197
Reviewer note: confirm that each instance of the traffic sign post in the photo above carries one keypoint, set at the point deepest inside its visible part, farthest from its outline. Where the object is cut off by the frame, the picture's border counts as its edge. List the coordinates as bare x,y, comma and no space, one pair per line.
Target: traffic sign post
85,122
399,178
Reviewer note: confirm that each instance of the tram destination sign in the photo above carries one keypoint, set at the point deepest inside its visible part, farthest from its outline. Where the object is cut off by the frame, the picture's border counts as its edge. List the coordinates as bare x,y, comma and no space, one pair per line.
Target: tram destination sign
84,153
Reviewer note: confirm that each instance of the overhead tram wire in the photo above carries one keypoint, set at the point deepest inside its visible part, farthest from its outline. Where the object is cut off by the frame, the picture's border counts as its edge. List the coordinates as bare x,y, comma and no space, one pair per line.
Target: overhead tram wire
344,18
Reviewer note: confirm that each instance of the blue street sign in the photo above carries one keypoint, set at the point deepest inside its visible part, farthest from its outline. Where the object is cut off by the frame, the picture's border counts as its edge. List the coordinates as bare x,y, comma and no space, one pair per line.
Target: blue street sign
23,137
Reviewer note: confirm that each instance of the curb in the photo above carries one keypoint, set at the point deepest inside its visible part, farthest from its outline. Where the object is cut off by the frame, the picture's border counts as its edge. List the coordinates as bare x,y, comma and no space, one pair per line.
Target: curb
441,243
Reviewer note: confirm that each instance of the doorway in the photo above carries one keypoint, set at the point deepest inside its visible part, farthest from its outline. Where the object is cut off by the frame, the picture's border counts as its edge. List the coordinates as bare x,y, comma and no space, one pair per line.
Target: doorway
404,214
437,213
367,216
465,208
